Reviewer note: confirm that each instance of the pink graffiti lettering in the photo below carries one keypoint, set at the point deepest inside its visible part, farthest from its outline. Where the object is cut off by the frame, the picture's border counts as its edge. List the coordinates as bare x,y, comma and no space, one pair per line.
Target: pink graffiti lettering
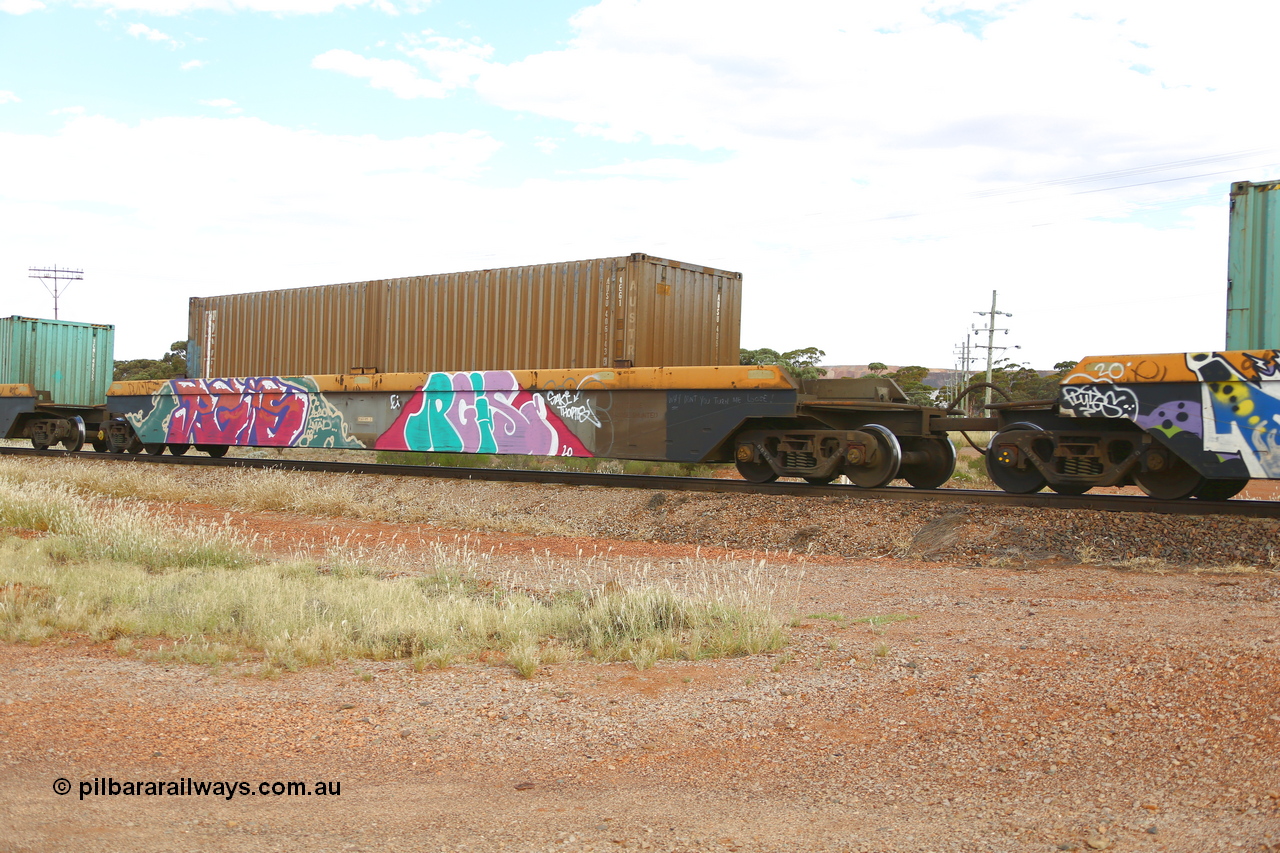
498,417
261,411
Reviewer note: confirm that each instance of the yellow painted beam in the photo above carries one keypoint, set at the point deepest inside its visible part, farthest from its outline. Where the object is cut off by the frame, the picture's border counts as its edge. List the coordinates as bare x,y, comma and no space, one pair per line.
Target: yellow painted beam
744,377
1159,367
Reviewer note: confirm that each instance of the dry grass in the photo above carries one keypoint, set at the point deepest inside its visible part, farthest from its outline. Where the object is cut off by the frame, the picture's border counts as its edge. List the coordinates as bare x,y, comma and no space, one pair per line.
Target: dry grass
971,473
280,491
108,569
113,530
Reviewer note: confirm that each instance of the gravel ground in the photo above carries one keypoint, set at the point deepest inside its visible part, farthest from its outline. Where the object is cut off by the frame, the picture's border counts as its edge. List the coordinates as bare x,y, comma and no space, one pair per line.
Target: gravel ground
1035,700
852,527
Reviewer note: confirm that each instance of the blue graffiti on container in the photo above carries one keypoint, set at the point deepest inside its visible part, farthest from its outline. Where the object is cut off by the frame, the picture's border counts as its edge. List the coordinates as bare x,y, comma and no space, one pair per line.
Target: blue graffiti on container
1246,418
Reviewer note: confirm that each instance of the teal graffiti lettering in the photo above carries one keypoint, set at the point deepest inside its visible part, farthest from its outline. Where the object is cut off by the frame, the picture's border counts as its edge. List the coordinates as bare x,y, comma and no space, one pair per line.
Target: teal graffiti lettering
439,394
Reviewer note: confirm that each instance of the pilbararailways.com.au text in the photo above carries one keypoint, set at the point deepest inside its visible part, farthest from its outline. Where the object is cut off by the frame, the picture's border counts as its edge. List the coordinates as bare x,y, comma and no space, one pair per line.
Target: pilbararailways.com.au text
188,787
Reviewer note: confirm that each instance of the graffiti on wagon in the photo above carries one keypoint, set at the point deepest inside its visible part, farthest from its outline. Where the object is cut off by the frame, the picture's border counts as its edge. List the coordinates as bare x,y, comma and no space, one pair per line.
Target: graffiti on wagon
479,412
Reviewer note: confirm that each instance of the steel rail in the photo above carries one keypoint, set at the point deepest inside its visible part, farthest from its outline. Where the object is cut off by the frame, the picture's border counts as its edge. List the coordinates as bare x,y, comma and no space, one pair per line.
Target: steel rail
1043,500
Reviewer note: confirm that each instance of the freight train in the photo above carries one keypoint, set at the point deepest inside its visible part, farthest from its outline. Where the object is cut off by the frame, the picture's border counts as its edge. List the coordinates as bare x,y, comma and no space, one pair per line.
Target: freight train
1181,425
649,348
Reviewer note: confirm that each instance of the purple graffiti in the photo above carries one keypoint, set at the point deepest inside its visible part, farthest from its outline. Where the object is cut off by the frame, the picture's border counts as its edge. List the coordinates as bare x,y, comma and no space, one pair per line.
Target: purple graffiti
479,413
1171,417
1267,365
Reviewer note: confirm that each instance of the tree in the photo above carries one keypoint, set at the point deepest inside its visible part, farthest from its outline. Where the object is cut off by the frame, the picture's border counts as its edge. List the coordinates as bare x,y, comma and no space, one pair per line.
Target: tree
171,364
911,381
800,363
1023,383
1011,377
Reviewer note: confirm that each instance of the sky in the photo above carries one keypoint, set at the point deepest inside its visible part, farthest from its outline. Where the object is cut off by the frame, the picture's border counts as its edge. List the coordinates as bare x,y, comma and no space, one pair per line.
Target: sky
875,170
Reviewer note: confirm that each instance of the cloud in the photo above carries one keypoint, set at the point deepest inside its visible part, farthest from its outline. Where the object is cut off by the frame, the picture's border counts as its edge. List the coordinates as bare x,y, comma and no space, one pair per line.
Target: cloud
857,160
193,64
223,104
392,75
659,168
221,204
176,7
169,208
7,97
142,31
454,61
1040,79
231,166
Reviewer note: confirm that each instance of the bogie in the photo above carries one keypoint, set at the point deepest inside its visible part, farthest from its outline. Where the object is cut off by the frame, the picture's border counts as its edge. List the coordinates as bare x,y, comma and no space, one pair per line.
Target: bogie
869,457
1067,456
45,432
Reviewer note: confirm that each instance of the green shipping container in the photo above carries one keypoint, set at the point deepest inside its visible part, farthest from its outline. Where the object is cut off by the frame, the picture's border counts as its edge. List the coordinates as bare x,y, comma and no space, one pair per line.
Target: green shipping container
1253,267
68,364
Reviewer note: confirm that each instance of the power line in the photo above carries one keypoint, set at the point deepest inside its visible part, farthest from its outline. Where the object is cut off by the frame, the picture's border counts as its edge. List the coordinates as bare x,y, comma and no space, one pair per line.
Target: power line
993,194
1125,173
990,346
58,276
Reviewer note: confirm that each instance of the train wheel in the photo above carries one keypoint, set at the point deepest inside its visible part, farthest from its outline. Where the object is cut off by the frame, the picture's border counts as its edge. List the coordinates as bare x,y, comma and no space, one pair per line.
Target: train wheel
935,469
179,449
1220,490
881,463
39,444
1002,465
134,445
100,444
75,441
1070,488
153,449
1176,480
217,451
821,481
752,472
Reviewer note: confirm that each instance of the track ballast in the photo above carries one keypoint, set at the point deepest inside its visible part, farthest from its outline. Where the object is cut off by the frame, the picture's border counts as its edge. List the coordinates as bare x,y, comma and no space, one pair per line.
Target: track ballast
1046,500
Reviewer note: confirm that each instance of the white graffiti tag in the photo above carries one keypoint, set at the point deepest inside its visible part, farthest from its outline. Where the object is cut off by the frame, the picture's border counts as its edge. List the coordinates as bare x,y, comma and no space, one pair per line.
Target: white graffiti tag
572,406
1105,401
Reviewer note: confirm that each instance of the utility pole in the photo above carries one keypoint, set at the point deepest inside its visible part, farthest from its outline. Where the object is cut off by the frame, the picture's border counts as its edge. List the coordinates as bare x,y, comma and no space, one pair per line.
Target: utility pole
961,381
991,330
58,277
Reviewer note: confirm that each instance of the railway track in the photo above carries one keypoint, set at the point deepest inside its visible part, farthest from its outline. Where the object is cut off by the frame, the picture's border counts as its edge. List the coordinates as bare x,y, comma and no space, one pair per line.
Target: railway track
1047,500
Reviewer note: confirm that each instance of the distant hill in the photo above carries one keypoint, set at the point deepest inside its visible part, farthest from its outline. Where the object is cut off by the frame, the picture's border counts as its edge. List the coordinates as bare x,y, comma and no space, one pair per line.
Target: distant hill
938,376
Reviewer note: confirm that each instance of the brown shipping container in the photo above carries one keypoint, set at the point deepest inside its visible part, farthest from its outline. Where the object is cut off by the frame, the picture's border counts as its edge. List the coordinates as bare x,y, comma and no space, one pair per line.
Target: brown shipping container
609,312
